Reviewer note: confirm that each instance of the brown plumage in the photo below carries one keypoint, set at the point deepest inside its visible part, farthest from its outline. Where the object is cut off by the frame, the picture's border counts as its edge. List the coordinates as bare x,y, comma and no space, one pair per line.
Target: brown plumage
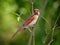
30,22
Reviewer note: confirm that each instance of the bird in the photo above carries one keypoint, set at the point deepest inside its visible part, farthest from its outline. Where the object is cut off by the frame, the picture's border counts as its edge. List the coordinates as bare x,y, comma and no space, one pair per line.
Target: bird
29,22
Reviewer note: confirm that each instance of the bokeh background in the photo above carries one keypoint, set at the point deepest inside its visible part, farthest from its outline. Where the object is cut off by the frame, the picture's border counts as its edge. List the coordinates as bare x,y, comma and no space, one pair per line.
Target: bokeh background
13,14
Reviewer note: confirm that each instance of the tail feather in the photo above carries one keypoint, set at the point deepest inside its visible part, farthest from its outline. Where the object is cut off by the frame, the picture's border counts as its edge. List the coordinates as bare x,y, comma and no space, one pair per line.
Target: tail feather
21,28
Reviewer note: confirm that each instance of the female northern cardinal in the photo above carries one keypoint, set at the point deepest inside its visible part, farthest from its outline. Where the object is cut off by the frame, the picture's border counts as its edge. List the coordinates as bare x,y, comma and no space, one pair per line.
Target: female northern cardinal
30,22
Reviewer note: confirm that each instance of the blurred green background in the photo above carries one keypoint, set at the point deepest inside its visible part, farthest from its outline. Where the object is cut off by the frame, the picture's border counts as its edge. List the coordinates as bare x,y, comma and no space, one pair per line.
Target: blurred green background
13,14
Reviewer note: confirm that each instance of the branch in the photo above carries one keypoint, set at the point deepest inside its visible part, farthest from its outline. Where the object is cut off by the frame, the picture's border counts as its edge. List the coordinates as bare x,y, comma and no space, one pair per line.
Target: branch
53,30
29,42
46,21
32,38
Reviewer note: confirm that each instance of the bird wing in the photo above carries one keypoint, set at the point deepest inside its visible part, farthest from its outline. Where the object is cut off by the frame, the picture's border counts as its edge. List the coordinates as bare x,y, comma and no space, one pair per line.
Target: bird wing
29,21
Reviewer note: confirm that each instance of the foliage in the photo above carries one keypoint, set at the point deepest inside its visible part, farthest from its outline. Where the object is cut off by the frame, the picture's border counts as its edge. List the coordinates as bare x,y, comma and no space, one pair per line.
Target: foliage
13,14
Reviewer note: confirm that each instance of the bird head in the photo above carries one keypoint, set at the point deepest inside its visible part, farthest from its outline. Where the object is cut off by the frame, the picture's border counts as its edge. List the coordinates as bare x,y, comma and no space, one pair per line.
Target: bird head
36,12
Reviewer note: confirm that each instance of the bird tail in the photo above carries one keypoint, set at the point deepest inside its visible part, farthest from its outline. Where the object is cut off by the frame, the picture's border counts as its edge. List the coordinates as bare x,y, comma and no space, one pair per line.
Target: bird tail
21,28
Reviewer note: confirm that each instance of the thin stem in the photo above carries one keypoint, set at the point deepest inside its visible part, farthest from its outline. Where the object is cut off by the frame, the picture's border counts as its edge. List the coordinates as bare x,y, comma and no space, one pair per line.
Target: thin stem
32,35
53,30
29,30
32,7
32,3
29,42
46,21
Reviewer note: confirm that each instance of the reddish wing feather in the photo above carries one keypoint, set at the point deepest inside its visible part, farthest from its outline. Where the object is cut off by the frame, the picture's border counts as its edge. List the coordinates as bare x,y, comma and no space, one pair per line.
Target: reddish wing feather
29,21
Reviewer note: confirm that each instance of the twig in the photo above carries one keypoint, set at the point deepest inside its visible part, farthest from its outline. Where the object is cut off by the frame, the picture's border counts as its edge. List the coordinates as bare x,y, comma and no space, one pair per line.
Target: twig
29,42
32,3
46,21
52,35
53,30
32,38
32,7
